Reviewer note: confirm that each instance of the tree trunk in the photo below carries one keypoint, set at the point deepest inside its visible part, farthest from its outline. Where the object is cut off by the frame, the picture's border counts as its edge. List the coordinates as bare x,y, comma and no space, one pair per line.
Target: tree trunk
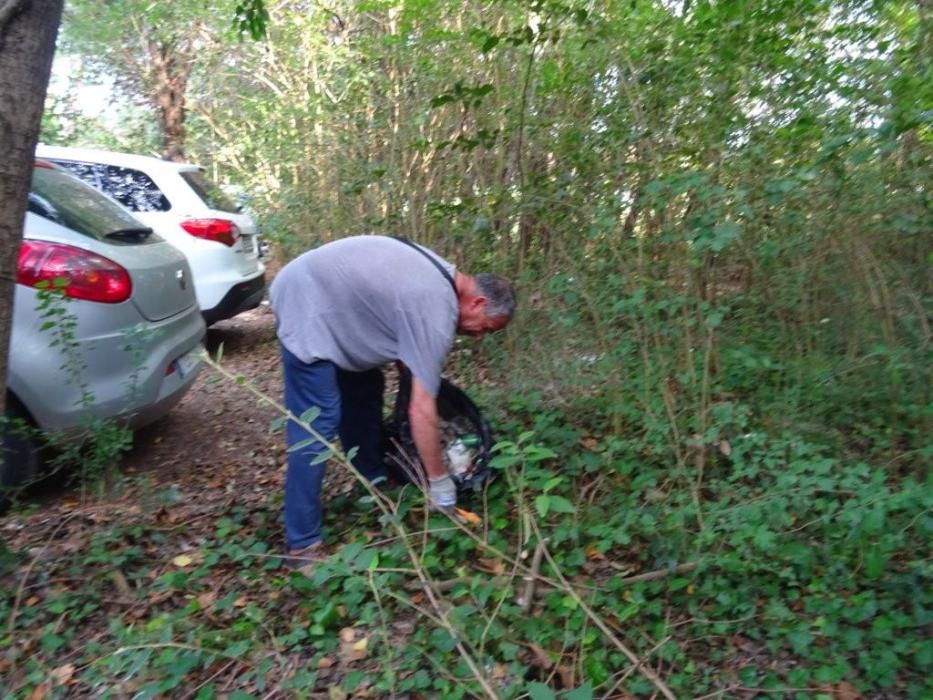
171,83
28,29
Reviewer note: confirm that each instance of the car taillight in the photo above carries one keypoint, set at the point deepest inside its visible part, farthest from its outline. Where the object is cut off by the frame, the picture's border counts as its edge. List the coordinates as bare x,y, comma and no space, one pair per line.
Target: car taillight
87,275
220,230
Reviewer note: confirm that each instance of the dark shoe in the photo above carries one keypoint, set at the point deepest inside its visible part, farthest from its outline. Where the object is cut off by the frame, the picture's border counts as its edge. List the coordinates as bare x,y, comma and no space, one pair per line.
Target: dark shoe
305,559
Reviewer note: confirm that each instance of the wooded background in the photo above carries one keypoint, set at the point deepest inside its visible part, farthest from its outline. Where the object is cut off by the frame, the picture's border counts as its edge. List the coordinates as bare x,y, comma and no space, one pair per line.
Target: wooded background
737,191
718,218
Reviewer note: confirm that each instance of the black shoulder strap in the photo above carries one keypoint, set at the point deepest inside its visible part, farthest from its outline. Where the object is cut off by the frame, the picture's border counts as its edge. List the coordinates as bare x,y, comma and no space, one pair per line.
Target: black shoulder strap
431,258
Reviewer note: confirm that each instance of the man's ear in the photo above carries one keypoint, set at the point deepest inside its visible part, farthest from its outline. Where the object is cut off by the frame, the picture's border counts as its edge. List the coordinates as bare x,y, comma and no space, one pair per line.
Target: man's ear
479,302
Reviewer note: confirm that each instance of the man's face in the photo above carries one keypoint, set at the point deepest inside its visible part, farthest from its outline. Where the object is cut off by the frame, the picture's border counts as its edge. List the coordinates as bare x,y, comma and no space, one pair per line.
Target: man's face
475,323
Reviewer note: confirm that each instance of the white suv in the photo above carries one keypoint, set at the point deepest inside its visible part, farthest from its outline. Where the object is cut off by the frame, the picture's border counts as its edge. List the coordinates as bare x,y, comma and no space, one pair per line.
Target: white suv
186,209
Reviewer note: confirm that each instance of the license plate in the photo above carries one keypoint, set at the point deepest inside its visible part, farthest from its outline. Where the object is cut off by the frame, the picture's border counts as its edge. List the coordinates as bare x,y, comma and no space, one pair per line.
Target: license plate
249,246
189,362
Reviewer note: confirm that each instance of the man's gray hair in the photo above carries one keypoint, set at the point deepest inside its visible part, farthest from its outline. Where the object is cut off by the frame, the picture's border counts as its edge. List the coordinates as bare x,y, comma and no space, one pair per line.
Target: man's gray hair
498,292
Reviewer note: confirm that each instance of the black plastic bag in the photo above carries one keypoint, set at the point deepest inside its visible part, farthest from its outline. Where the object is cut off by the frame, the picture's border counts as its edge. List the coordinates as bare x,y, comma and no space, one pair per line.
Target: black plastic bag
466,437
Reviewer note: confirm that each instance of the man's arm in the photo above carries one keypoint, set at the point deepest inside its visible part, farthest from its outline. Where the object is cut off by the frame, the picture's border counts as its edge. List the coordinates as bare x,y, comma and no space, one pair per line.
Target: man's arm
425,429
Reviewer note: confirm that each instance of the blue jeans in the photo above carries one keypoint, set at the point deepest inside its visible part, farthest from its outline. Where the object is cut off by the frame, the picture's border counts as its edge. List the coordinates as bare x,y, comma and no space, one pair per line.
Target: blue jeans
350,406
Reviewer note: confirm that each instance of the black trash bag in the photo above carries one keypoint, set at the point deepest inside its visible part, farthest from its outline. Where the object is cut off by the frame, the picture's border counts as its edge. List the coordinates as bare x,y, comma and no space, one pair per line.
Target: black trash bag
466,437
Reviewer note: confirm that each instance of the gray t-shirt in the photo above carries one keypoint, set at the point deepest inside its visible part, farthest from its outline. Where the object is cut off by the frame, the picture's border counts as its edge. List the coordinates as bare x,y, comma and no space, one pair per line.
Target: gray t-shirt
363,301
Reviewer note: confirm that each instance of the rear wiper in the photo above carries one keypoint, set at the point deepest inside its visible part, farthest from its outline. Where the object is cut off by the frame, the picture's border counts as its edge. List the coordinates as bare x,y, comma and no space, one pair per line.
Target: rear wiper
139,233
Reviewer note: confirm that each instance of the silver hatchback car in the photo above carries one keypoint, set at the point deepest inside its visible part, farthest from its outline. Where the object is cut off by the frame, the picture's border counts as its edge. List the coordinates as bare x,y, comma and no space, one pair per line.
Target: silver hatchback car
105,320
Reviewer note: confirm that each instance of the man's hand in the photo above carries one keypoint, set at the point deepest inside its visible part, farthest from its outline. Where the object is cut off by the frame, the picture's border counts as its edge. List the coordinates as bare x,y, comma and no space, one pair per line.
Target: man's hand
443,492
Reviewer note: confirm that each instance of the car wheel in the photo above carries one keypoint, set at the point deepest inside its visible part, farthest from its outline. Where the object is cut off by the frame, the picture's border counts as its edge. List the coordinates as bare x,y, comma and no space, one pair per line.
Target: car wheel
19,450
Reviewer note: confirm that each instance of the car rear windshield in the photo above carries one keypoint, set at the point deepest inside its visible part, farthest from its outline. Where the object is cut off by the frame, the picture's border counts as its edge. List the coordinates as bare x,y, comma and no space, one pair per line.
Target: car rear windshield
212,195
132,188
59,197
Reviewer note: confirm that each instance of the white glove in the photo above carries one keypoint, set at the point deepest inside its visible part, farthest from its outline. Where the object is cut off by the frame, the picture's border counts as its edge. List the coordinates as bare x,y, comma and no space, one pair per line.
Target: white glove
443,492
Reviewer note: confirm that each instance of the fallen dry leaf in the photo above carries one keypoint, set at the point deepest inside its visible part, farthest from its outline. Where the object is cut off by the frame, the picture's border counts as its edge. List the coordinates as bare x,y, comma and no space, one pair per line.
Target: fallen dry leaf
847,691
63,674
543,660
589,443
491,565
351,648
160,596
469,516
121,584
182,560
41,691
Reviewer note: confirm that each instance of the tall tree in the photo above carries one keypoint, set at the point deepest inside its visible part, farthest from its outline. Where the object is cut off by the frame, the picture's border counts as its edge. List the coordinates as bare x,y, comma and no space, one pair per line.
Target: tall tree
152,50
27,43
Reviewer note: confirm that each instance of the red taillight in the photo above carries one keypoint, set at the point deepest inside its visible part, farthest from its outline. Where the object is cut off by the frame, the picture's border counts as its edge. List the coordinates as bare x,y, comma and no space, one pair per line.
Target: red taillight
220,230
87,275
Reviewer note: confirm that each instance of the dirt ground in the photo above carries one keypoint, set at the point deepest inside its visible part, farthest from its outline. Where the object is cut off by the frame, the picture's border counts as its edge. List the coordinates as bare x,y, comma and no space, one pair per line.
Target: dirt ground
219,425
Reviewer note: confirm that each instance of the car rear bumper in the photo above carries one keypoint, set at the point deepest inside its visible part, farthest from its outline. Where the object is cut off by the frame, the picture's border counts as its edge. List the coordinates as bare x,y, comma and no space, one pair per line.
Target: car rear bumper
241,297
115,368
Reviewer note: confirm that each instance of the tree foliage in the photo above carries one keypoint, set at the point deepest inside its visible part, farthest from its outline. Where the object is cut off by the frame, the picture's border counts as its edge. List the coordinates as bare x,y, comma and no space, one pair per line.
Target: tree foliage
154,51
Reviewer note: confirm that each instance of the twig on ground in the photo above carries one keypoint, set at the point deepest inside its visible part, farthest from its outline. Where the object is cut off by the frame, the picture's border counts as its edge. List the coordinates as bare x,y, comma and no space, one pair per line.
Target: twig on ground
661,573
533,573
526,599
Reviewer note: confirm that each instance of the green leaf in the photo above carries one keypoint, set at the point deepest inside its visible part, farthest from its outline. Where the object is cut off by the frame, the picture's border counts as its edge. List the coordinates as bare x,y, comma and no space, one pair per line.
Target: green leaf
310,415
352,680
559,504
504,461
724,234
874,521
301,444
875,561
441,100
539,691
206,693
534,453
584,692
322,457
543,503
